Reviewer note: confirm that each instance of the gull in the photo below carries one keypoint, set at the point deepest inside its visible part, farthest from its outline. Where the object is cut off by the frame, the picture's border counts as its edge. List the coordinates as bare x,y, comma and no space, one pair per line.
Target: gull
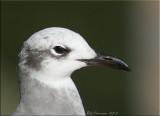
46,63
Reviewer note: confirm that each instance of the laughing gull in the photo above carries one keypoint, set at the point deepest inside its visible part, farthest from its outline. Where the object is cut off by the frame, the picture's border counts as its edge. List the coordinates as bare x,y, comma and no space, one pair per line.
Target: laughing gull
46,63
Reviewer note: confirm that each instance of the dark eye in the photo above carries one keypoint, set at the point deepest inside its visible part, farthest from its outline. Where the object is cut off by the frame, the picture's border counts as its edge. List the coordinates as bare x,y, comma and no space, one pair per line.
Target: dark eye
60,49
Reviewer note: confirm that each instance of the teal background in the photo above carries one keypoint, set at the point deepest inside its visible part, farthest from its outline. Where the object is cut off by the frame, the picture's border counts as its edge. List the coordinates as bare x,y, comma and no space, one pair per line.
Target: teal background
128,30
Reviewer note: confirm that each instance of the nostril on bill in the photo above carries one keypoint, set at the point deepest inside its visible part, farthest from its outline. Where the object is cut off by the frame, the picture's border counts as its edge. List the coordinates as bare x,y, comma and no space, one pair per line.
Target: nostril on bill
108,59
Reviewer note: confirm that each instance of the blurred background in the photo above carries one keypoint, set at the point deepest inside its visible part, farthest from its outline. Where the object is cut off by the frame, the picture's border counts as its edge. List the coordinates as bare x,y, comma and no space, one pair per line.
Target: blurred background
128,30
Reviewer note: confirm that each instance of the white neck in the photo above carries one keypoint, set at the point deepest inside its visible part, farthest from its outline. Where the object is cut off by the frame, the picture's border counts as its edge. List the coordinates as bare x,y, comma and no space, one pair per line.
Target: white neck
56,97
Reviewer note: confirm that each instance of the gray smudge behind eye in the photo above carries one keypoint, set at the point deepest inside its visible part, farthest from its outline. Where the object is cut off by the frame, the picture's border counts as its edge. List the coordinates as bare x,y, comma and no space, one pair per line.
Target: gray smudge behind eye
35,58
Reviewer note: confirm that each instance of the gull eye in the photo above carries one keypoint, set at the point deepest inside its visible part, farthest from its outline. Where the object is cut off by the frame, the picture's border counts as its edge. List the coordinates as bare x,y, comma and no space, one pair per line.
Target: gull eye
59,49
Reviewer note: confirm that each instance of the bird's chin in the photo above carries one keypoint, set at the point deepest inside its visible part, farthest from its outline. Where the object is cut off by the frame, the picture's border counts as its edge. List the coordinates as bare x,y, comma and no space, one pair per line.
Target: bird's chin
71,67
79,65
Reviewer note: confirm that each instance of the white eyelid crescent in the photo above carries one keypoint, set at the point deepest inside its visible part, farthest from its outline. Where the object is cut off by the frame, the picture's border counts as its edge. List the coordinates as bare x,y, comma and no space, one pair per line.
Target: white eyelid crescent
55,53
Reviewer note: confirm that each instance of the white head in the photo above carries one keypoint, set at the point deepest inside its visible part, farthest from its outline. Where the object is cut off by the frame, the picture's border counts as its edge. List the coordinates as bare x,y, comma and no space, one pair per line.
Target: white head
57,52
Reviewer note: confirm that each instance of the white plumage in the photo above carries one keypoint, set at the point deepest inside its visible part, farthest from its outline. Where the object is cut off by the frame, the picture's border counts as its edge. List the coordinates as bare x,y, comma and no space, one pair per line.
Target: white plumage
47,61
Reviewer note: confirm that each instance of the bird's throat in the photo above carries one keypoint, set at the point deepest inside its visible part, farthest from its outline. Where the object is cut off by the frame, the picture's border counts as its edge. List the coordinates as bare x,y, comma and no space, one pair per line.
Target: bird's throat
42,99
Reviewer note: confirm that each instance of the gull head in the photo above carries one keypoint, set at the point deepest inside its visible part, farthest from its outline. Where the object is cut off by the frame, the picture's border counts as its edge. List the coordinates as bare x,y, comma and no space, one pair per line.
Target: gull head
58,52
47,60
